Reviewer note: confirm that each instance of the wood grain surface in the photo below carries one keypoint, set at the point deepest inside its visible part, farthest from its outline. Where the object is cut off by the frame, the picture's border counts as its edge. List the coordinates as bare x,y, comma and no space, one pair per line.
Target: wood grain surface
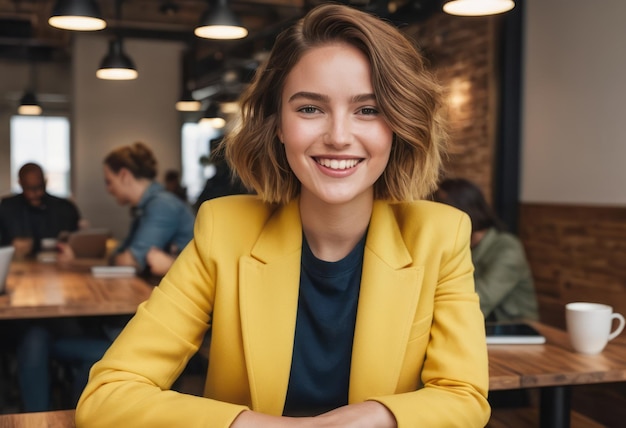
56,419
42,290
554,363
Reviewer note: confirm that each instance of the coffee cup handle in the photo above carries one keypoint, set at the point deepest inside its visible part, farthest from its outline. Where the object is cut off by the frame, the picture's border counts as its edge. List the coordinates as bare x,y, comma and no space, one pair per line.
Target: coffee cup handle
619,328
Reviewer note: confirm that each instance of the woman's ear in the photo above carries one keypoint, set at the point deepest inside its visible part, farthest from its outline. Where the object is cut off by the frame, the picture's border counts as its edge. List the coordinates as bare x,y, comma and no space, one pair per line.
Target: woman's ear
124,174
279,134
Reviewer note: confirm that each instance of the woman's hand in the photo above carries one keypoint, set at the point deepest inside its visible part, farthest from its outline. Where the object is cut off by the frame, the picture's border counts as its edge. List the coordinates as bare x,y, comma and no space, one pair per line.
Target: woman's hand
369,414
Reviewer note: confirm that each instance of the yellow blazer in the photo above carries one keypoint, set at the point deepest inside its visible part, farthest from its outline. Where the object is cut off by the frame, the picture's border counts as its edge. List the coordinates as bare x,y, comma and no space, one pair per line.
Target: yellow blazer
419,342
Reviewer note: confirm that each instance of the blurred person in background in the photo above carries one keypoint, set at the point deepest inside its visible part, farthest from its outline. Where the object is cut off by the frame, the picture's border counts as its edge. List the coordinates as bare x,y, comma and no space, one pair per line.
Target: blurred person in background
33,215
172,184
159,218
222,183
502,275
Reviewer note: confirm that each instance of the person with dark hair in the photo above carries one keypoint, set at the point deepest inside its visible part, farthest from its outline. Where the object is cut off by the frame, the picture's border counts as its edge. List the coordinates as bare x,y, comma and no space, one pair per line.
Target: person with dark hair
34,214
335,296
172,184
25,220
220,184
504,281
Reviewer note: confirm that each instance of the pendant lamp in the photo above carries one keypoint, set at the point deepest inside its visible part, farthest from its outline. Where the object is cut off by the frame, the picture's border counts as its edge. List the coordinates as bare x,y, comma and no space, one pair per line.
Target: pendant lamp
29,106
79,15
212,117
187,102
116,65
478,7
219,22
28,103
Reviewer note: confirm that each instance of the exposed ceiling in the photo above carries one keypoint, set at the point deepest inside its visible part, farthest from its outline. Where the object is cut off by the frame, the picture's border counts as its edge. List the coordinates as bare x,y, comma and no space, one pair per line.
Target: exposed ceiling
25,34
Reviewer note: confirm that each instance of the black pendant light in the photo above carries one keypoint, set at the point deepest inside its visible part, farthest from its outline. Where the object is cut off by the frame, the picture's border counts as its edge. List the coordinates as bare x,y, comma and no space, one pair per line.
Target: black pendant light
213,117
29,106
219,22
187,102
116,65
79,15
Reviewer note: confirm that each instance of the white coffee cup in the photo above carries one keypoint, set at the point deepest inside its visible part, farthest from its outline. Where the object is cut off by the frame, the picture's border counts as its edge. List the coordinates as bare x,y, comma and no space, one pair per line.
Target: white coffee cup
48,244
589,326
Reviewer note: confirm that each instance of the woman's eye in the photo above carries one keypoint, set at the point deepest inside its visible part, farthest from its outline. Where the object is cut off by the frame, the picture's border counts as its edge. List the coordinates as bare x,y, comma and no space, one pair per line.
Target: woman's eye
369,111
308,109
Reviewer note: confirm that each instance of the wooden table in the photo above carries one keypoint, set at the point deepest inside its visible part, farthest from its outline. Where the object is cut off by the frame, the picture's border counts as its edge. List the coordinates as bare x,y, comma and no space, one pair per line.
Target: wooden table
43,290
554,367
56,419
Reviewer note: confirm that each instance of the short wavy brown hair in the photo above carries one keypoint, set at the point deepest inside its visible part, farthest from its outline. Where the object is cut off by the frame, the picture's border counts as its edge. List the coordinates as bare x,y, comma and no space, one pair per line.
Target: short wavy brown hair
407,94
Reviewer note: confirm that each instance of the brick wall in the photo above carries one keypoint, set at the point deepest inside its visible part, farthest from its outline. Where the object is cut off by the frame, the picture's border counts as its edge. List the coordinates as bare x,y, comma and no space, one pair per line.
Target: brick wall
461,51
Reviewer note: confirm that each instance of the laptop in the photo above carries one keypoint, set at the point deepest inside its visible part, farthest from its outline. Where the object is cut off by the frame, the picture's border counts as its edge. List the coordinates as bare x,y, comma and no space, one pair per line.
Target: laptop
513,333
6,255
89,243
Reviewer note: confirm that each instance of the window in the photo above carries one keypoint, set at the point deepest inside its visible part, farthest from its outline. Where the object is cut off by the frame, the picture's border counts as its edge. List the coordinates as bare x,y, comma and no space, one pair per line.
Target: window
195,146
44,140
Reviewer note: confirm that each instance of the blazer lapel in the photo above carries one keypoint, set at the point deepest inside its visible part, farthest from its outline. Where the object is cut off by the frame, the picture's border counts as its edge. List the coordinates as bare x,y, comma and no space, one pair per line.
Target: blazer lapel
390,289
269,283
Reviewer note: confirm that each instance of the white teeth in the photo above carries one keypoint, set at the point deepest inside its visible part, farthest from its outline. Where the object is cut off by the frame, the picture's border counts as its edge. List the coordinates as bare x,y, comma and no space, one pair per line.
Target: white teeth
338,164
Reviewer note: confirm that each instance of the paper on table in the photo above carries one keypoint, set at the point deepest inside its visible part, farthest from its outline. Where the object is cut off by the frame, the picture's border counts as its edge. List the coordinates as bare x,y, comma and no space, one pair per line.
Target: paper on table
115,271
513,333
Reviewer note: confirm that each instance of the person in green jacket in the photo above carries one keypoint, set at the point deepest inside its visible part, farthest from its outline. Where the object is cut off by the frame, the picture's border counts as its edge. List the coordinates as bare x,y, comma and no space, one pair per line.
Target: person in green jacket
503,278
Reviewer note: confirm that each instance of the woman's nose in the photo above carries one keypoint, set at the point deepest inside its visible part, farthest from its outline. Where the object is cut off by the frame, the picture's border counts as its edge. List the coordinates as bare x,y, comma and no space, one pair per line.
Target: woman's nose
339,131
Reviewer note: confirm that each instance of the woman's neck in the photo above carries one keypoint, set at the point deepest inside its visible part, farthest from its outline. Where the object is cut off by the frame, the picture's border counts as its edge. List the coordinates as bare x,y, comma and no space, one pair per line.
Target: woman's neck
137,189
332,230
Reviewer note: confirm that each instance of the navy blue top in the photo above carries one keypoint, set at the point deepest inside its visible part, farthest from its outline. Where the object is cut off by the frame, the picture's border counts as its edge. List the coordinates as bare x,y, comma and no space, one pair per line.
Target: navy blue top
327,305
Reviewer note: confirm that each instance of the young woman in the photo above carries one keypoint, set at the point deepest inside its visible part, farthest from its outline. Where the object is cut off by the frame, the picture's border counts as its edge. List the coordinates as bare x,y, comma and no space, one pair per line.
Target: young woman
334,297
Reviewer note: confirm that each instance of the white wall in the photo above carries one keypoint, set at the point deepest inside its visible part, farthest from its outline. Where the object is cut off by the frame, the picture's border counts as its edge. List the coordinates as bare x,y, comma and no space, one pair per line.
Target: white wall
574,118
108,114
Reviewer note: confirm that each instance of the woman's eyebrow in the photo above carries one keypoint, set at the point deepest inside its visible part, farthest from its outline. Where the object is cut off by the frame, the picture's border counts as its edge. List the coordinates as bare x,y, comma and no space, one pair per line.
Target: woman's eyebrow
309,96
324,98
363,97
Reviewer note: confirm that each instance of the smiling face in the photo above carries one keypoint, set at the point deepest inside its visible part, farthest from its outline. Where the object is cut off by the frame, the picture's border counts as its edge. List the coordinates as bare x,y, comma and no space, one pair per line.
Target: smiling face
336,141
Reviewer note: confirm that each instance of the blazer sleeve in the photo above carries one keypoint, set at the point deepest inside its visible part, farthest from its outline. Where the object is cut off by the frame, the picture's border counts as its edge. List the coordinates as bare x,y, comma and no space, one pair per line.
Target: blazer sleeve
455,374
130,385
